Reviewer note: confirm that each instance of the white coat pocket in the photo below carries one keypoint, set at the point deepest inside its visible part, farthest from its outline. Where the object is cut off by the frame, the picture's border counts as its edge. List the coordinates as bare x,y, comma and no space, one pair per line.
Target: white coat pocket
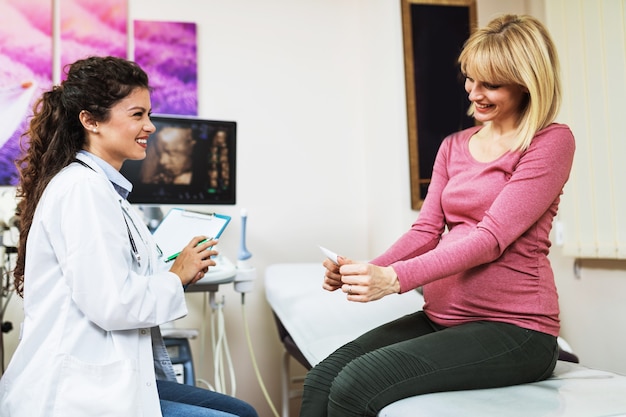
107,390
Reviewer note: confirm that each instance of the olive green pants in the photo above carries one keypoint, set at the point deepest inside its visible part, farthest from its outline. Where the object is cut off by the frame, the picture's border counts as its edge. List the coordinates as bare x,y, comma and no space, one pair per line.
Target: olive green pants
412,356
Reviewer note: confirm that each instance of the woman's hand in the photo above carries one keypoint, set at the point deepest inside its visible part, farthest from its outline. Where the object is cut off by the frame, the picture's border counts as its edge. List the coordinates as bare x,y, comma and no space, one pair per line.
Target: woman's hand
194,260
332,277
366,282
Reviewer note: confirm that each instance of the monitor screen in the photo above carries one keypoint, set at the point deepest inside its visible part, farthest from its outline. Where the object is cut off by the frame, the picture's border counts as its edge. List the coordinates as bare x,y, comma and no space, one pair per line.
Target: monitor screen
188,161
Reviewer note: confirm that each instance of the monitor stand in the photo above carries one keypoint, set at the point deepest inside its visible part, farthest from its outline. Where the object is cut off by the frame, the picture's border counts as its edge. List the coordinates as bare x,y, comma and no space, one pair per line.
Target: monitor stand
152,215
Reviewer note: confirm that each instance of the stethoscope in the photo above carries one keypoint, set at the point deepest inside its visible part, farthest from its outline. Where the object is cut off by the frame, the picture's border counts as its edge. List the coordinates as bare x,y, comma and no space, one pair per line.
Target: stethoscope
127,216
133,245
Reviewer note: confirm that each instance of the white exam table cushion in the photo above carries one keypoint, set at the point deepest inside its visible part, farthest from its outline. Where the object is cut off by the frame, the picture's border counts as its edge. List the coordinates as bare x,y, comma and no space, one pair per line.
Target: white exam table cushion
320,321
573,391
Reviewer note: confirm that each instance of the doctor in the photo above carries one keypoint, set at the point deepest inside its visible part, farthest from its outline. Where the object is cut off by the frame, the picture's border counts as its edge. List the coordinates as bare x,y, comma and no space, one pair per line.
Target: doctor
94,283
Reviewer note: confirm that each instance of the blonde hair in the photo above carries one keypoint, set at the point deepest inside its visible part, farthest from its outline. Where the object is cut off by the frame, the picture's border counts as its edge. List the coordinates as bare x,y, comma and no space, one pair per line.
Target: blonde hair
517,49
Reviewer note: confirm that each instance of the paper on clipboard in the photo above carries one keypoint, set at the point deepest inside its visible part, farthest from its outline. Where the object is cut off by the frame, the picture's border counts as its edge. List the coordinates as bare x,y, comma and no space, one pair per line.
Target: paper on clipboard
179,226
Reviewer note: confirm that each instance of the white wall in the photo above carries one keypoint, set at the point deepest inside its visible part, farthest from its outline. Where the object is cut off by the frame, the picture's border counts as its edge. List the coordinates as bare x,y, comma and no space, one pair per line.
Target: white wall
317,89
290,73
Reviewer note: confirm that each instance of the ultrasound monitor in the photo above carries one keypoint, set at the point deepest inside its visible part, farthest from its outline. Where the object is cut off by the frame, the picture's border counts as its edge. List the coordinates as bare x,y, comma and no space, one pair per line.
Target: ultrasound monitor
188,161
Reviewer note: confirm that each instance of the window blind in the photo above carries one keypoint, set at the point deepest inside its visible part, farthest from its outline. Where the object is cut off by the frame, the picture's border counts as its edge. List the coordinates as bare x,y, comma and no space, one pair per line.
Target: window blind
591,39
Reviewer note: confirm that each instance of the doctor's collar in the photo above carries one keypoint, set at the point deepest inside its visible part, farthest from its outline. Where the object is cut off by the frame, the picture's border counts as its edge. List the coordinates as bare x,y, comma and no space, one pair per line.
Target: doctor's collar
120,183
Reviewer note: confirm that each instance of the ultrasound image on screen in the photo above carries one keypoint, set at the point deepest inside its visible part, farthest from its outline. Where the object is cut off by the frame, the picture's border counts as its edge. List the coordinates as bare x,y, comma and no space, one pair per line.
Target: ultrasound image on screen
188,161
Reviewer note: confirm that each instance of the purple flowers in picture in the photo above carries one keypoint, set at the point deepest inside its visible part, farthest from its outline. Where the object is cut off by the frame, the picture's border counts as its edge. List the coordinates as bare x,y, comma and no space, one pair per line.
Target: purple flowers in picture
92,27
167,52
25,71
87,27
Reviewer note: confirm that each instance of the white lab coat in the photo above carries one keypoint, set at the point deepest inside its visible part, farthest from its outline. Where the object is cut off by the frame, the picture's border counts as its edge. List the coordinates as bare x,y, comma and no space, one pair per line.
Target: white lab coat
90,303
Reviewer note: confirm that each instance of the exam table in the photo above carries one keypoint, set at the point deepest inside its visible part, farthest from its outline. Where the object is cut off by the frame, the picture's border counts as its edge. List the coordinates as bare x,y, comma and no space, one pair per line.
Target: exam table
312,323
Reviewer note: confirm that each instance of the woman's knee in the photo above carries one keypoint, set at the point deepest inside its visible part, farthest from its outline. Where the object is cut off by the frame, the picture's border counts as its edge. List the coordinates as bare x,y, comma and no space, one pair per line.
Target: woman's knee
323,374
354,388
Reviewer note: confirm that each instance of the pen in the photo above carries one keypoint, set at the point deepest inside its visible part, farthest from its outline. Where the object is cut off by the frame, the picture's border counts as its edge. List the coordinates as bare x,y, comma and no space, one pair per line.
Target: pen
174,256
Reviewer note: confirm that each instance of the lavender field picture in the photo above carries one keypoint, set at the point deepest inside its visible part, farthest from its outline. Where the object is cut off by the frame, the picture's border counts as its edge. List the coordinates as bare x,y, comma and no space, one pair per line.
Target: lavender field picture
167,52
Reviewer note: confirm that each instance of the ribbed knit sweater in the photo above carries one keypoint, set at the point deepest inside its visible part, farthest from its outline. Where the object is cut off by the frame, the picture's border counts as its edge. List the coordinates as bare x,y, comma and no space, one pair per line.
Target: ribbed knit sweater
480,244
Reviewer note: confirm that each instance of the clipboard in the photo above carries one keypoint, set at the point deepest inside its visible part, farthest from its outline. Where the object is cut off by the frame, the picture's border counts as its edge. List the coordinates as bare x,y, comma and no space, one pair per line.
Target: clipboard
179,226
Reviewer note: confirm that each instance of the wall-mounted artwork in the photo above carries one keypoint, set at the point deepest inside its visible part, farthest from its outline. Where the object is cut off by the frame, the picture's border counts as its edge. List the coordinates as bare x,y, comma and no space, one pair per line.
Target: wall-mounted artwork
92,27
87,27
167,51
25,71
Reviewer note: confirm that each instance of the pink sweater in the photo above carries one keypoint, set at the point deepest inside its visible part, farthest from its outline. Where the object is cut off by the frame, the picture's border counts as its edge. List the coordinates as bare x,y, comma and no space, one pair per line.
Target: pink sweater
492,263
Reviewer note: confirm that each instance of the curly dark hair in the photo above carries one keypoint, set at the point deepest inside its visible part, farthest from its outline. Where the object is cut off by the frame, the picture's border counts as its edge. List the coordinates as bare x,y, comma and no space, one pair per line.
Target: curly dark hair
55,133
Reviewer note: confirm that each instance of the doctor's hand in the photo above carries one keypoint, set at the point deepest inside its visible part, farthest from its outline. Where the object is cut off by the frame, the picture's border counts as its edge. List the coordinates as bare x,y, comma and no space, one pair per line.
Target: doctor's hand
194,260
366,282
332,277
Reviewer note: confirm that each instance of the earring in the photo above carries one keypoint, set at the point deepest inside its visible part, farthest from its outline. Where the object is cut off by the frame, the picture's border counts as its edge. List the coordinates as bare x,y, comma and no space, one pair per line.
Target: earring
94,130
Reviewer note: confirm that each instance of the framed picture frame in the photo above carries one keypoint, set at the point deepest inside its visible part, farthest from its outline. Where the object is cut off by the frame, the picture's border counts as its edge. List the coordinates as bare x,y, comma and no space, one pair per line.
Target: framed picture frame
433,33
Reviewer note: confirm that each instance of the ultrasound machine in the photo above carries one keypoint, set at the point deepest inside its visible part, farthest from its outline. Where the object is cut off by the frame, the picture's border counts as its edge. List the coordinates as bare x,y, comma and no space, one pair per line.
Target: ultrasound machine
191,163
